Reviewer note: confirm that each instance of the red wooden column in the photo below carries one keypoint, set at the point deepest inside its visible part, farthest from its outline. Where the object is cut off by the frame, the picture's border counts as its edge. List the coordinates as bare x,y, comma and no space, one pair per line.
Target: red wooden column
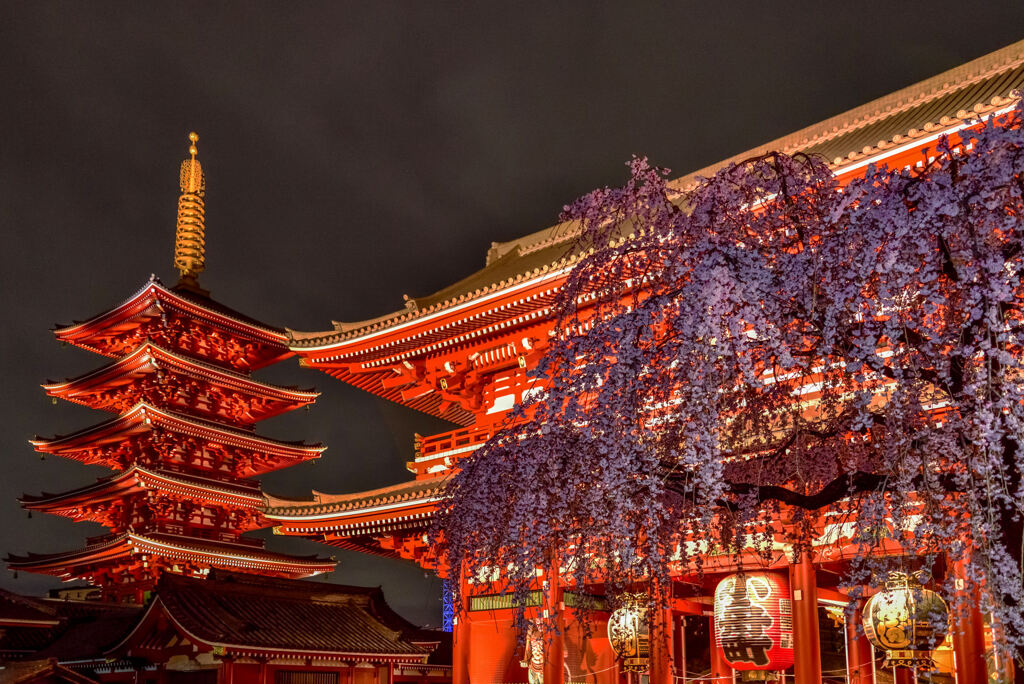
460,635
967,631
904,675
859,651
554,654
721,672
806,644
227,671
661,646
263,672
679,648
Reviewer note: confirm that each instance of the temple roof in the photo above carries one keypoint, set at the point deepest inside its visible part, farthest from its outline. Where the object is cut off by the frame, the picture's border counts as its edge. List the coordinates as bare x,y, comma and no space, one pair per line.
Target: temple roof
327,505
245,614
21,611
143,417
150,358
137,478
68,630
92,627
45,670
911,116
173,547
154,299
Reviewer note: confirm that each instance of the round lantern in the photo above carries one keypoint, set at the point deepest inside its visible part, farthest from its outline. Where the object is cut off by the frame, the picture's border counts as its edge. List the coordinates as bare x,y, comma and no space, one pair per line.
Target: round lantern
906,621
754,623
630,635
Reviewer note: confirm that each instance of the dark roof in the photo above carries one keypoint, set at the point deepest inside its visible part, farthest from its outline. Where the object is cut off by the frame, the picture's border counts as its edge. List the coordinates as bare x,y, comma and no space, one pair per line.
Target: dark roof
442,654
93,627
26,625
259,613
73,630
47,671
15,608
939,103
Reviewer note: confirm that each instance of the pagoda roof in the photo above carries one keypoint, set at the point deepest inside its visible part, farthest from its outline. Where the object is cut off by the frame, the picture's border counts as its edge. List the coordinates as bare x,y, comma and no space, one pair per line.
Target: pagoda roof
144,417
258,616
137,478
907,118
153,299
173,547
150,357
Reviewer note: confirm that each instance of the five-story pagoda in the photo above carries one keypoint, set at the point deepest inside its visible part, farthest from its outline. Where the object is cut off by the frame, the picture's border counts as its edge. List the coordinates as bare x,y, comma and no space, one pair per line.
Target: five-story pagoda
182,440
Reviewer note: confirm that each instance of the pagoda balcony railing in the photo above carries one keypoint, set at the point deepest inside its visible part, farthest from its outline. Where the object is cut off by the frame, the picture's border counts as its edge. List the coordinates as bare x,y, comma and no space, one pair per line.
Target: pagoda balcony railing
211,535
101,538
221,536
437,453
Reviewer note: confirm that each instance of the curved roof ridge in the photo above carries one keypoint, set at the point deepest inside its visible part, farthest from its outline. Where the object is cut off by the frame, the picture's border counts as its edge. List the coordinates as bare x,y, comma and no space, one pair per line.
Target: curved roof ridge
156,351
951,98
142,408
326,499
897,101
189,297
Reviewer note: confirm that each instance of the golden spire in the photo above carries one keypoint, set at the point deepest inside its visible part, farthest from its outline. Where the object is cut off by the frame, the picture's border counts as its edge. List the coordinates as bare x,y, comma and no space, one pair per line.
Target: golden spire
189,241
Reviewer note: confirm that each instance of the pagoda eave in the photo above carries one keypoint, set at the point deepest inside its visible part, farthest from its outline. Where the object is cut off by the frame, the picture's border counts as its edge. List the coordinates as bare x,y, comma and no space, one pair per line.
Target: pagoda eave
155,293
102,388
144,417
138,479
154,300
124,547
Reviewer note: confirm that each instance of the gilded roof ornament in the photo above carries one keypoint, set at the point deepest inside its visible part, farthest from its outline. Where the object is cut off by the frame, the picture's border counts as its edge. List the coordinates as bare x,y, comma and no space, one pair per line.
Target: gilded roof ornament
190,238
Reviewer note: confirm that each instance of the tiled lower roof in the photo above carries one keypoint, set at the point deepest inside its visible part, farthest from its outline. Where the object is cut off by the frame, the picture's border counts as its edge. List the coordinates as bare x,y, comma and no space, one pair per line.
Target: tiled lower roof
231,610
17,609
90,633
42,671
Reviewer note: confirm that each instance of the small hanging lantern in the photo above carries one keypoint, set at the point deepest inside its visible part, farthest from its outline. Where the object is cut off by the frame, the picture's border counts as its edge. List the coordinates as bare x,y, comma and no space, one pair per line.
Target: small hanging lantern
629,633
754,624
907,621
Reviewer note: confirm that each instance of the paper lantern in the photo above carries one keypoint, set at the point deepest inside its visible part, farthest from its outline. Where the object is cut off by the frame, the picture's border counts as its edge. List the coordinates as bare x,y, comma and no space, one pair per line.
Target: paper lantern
906,621
629,634
754,621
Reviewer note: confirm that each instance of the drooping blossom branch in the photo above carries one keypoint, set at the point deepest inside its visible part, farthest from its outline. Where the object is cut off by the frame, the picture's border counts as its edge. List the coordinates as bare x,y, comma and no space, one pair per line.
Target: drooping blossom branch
774,344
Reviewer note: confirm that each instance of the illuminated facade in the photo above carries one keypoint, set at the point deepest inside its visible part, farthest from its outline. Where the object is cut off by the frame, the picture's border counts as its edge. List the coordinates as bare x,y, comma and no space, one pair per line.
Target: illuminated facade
181,436
463,354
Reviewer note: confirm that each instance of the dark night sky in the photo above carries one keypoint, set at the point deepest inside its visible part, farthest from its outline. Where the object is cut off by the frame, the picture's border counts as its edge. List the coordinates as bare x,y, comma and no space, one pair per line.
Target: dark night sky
358,151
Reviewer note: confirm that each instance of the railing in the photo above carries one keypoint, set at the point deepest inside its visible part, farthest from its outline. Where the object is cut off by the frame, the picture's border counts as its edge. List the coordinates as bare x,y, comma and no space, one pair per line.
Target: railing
437,453
99,539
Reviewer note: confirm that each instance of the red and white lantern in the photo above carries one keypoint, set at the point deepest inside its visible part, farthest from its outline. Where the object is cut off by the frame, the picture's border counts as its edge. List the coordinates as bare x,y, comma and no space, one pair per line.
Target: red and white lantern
754,621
